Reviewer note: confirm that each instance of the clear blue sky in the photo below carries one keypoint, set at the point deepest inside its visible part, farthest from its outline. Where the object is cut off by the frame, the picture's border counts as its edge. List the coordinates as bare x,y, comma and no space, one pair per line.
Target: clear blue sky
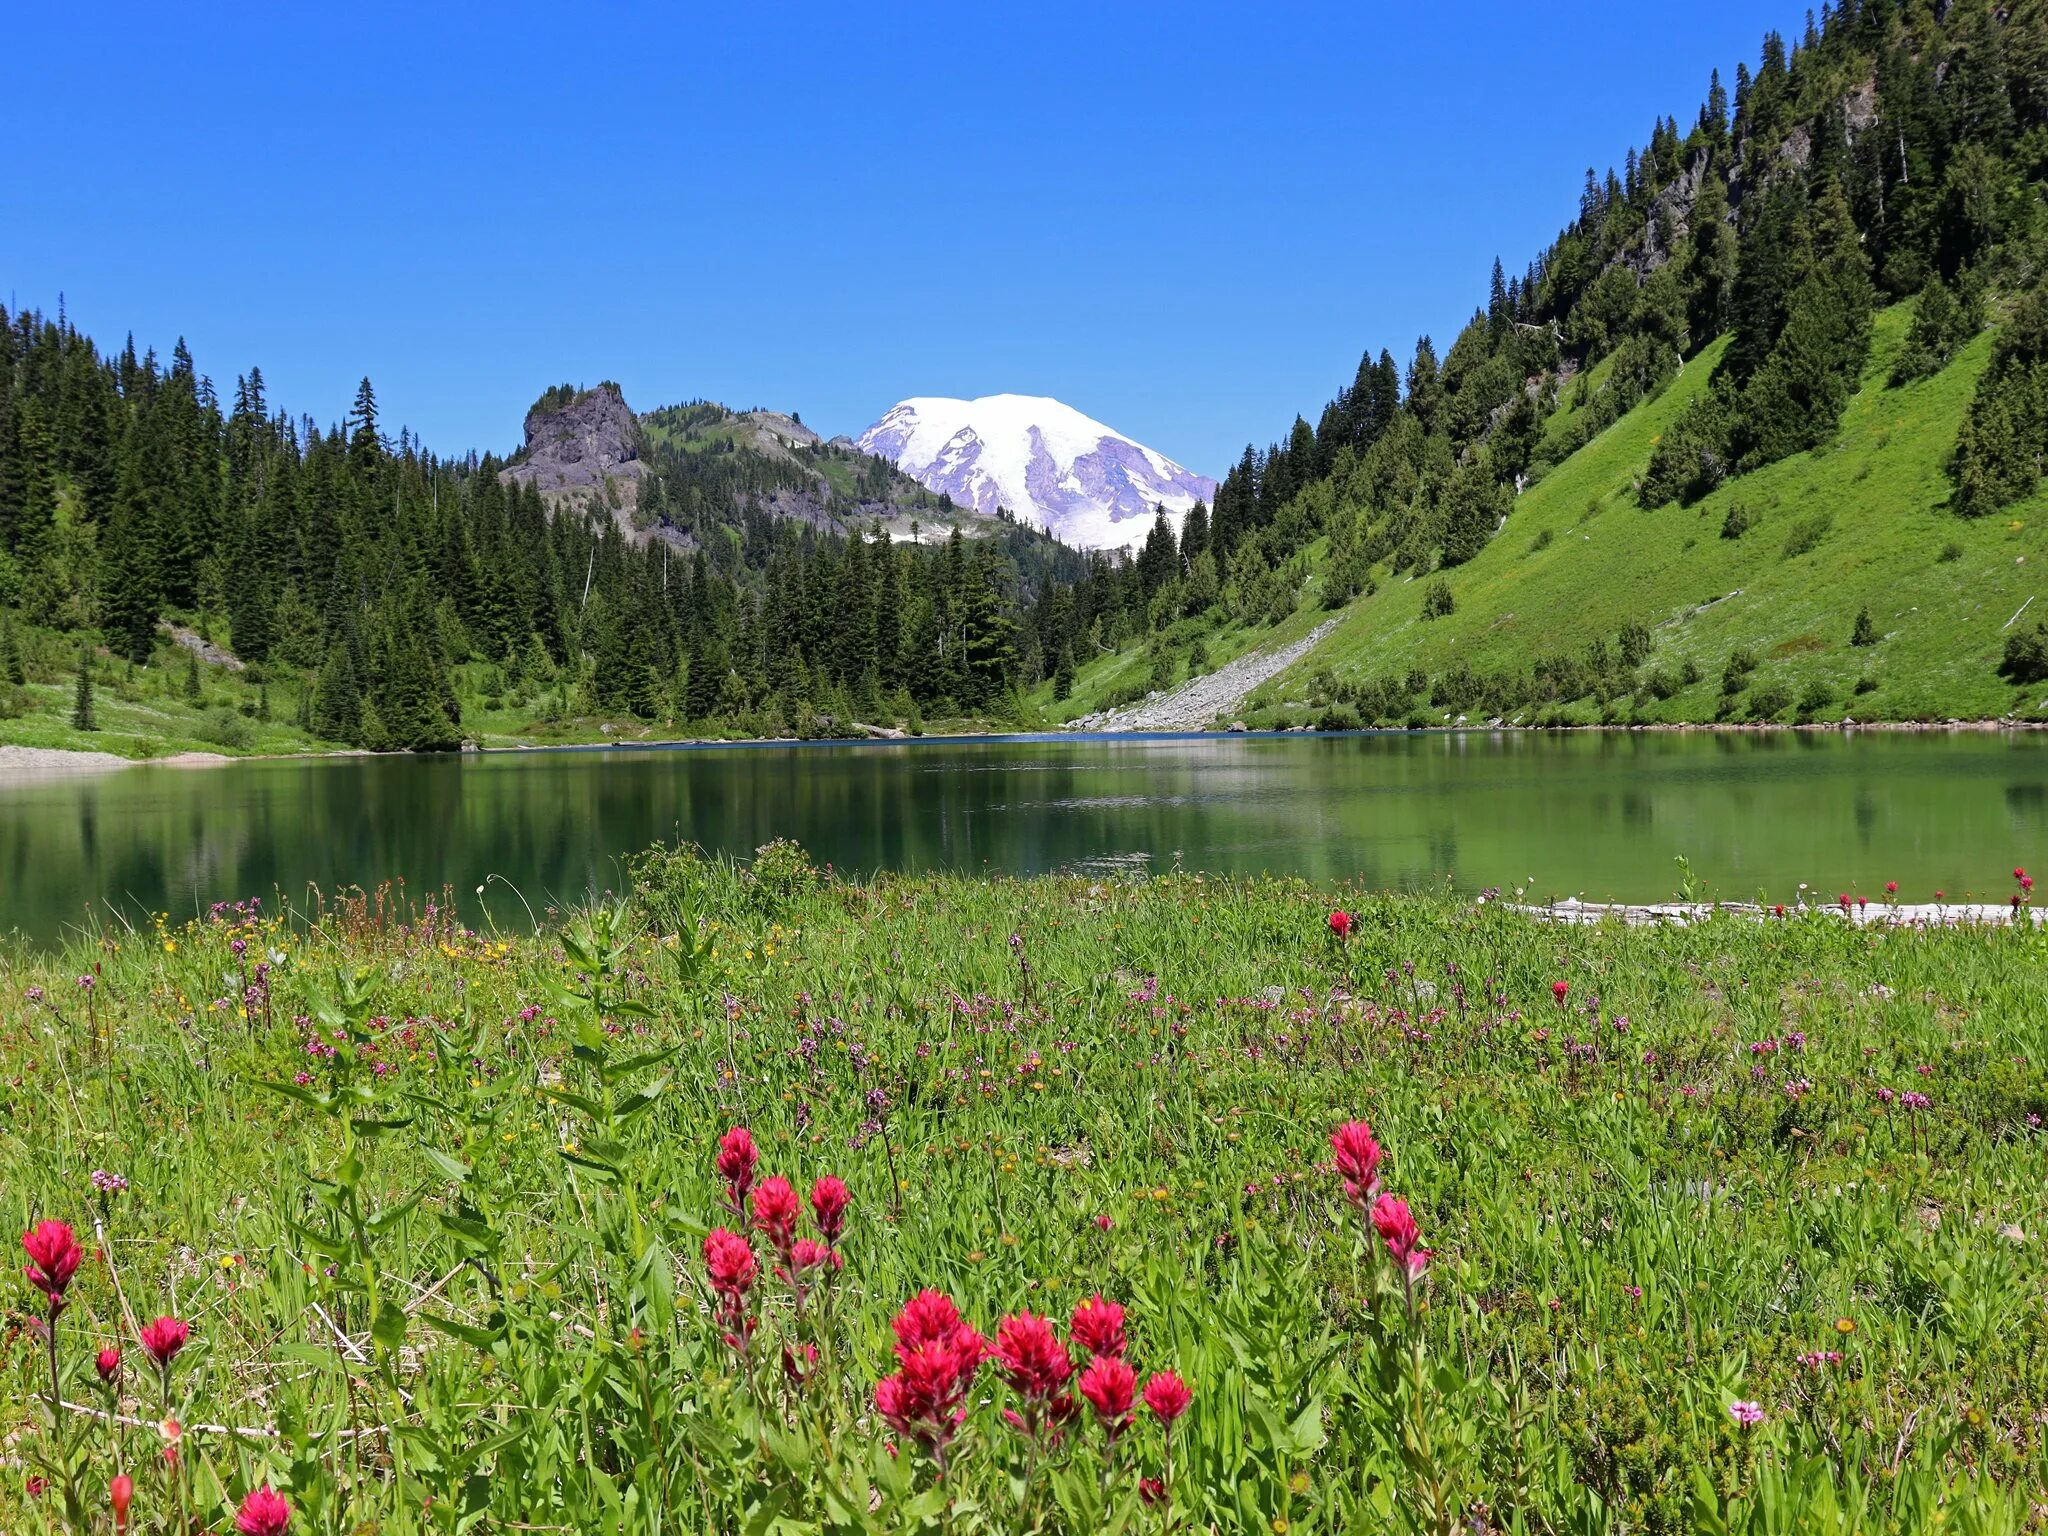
1186,220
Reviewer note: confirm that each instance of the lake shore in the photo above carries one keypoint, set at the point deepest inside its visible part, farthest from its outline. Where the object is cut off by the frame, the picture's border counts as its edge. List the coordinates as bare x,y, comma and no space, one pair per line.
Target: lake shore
19,763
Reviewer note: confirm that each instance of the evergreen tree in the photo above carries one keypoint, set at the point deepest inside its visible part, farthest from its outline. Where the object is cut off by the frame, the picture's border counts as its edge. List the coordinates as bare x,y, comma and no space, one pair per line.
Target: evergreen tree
11,667
83,716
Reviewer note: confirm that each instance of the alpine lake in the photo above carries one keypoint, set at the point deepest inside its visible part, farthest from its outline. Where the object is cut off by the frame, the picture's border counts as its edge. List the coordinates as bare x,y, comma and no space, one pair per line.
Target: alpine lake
1603,816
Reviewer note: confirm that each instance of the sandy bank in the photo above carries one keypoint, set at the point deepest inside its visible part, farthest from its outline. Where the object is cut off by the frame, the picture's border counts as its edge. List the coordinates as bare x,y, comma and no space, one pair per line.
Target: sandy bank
19,763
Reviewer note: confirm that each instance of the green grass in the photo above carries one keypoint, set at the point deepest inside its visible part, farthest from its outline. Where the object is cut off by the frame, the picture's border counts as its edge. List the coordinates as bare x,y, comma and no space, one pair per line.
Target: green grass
477,1217
147,712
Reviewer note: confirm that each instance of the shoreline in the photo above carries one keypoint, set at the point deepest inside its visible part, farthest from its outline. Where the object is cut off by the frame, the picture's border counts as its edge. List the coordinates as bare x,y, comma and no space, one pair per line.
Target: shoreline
26,763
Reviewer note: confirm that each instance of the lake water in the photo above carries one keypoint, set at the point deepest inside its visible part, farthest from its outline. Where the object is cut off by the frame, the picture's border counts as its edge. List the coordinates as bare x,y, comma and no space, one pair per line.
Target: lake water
1600,815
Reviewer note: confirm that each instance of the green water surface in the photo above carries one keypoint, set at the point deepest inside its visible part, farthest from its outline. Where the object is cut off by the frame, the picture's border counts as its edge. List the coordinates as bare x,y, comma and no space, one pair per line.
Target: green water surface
1598,815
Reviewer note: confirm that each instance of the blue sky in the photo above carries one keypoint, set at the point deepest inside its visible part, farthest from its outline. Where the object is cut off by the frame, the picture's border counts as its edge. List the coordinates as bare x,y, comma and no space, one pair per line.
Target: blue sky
1187,220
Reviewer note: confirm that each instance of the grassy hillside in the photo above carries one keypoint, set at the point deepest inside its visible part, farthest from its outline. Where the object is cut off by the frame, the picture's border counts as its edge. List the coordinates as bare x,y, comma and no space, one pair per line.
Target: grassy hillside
1861,523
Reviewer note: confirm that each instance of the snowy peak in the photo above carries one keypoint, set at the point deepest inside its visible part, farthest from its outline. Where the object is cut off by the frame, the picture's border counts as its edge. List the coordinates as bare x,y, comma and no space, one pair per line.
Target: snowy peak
1084,483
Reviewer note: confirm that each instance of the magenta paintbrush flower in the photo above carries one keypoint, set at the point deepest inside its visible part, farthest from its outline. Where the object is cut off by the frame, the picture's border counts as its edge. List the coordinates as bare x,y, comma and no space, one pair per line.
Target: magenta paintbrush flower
1098,1326
263,1513
1167,1396
1395,1224
53,1258
164,1338
1358,1160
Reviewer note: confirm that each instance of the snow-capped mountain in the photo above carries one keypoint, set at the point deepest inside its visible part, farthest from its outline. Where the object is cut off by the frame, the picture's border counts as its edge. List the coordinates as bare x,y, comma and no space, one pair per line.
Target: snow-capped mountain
1050,465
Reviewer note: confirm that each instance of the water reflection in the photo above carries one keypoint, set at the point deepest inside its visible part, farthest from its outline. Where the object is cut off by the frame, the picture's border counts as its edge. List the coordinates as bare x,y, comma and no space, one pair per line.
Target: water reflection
1603,815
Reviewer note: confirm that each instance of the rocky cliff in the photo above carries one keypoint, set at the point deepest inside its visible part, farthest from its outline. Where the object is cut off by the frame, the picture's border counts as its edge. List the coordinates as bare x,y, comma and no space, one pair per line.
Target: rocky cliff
585,451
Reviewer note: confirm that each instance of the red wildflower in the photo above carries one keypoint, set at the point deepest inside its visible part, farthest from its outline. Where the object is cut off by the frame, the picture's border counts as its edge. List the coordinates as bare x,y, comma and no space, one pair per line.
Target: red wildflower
1891,887
53,1258
121,1494
939,1355
1151,1490
1395,1224
1358,1159
829,1200
2019,874
1167,1396
1098,1326
729,1259
807,1258
928,1317
736,1160
108,1364
1029,1354
263,1513
1558,989
775,1212
162,1339
1341,923
800,1362
1109,1385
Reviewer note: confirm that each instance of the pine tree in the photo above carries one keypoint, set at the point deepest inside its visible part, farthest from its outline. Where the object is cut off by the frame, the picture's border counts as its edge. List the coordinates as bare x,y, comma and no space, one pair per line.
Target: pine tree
11,667
1063,674
1864,631
83,715
336,713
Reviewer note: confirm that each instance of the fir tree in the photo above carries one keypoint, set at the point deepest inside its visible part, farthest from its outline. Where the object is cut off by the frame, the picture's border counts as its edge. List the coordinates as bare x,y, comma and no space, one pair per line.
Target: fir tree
83,715
11,667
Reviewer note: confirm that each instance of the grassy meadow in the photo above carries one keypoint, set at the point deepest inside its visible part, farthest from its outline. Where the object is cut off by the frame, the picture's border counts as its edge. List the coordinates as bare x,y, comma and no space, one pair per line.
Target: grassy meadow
1734,1227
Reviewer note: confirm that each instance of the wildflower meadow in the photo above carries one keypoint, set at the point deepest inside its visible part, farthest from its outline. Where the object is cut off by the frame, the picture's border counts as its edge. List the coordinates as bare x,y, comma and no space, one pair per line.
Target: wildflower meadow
759,1200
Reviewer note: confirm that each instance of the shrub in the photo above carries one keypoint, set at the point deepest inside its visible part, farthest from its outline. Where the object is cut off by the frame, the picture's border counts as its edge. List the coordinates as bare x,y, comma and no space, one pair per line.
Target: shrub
1736,523
1636,642
782,872
224,728
1817,697
2026,655
1769,701
1437,601
1864,631
1807,533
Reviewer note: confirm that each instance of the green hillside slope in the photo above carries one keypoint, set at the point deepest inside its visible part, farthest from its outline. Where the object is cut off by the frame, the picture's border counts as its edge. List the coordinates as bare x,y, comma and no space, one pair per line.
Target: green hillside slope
1861,524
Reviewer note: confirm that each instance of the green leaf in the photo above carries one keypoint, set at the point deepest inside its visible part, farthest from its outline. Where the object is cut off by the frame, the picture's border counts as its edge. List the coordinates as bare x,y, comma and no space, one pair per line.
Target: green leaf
320,1101
389,1328
632,1064
471,1231
587,1106
468,1333
602,1170
451,1168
